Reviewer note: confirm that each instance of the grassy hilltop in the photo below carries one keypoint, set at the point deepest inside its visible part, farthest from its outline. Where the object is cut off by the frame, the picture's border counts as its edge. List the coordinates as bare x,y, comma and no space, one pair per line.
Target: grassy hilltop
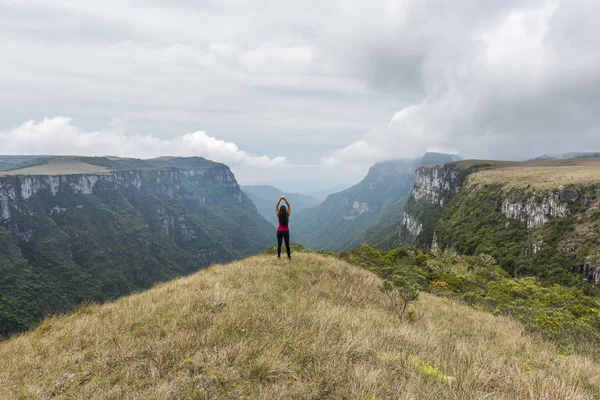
541,175
315,328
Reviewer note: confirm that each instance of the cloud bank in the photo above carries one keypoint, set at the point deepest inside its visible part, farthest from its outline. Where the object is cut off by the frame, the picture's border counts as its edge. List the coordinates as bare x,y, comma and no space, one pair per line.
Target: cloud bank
58,135
346,82
505,81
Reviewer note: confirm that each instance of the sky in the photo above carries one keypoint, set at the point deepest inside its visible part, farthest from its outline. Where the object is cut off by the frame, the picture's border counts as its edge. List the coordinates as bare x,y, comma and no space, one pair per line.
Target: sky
308,91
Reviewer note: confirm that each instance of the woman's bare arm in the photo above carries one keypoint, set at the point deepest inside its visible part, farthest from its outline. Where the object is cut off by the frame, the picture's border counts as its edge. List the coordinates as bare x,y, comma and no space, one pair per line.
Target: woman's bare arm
277,207
288,205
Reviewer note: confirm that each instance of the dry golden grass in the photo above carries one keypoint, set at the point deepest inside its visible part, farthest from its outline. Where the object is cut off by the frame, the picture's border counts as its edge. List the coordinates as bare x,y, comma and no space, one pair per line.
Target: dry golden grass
315,328
59,166
539,174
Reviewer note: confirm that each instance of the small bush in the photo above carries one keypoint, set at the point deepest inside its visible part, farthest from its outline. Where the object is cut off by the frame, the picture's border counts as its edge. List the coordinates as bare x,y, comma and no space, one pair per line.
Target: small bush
400,292
411,313
432,371
439,286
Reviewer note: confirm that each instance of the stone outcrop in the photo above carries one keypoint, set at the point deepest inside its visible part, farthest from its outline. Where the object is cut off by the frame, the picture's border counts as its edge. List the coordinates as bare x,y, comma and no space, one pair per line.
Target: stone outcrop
17,191
536,210
434,187
358,208
413,225
591,269
436,184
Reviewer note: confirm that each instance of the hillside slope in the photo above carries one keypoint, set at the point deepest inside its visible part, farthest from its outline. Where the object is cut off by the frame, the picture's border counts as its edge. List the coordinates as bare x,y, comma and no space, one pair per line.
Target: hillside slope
264,329
92,229
376,202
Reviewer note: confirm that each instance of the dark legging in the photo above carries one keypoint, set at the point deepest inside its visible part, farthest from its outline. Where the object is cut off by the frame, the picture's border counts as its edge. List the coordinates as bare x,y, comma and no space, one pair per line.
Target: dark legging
283,235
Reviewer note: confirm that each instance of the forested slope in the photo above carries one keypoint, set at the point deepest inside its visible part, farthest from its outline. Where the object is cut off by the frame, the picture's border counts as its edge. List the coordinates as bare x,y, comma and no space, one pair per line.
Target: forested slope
69,238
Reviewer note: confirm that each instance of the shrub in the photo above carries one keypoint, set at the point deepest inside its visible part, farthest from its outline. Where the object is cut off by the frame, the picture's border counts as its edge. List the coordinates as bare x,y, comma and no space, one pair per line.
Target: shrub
411,313
400,292
569,315
439,286
432,371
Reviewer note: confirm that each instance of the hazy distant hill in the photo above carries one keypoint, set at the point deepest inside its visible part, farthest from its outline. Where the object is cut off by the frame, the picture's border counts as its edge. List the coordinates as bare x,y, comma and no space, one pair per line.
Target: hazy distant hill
562,156
315,189
7,162
341,220
265,197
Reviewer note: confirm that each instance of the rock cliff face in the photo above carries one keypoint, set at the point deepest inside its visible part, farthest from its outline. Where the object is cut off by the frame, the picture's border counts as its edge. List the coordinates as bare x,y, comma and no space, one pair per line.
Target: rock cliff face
536,210
97,236
433,189
413,225
357,209
20,195
529,231
436,184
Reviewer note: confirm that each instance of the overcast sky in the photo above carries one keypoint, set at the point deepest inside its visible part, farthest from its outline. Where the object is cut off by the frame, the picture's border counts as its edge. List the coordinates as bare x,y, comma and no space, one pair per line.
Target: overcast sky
307,90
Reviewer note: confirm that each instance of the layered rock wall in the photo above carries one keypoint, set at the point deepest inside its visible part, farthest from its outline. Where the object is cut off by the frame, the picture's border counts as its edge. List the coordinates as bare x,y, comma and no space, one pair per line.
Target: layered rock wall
437,184
536,210
17,192
434,187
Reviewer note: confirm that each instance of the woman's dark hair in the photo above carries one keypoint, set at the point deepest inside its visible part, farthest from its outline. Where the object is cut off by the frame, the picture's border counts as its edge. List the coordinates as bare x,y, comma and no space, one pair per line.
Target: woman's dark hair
284,216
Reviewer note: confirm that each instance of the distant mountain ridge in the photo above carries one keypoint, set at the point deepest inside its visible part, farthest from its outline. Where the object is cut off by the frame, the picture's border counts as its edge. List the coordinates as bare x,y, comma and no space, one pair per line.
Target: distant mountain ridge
340,222
265,197
8,162
563,156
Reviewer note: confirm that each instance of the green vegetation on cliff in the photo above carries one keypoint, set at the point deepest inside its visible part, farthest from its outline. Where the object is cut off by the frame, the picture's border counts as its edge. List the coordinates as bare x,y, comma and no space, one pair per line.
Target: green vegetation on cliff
20,305
474,224
9,162
69,239
536,218
395,235
557,250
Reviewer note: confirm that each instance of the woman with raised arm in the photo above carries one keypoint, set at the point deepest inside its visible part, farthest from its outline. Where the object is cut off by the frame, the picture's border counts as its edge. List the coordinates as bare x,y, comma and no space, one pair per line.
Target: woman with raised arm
283,230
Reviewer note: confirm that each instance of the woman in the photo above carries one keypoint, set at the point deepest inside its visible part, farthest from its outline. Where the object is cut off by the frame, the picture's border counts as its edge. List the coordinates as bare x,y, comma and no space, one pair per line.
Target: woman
283,230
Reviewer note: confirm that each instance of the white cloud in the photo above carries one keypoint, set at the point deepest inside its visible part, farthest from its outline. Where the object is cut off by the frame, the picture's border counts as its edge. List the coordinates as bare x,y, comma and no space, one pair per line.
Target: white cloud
519,85
374,80
58,135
